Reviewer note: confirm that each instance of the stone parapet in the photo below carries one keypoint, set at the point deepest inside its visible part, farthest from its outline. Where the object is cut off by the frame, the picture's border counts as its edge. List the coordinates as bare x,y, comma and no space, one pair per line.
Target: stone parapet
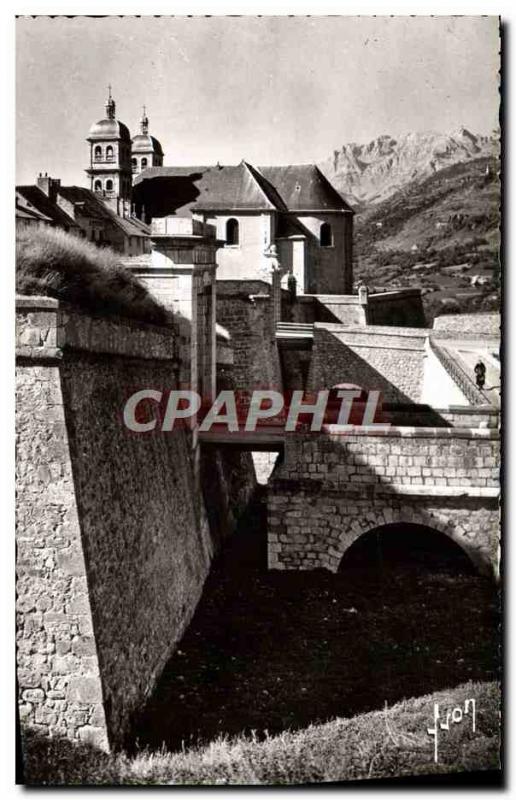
46,328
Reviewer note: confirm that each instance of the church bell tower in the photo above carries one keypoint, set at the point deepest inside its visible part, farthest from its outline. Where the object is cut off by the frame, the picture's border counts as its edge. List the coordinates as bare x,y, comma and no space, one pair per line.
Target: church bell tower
110,160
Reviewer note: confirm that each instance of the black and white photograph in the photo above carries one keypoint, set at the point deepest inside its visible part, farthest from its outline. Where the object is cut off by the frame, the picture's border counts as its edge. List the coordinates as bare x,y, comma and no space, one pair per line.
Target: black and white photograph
258,294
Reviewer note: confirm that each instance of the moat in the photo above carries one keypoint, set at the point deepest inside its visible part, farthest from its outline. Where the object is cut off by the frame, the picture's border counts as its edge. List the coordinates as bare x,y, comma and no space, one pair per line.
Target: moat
268,650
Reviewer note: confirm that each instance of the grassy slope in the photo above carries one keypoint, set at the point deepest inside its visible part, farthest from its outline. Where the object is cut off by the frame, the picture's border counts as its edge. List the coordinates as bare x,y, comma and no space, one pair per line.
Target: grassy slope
452,218
380,744
56,264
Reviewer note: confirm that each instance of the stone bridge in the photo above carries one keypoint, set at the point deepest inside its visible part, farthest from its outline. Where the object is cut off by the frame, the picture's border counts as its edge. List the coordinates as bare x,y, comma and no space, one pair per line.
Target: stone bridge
331,488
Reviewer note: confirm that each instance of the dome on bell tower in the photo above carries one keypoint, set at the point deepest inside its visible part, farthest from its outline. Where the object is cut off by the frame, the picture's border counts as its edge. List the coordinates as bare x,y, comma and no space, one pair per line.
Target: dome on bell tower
109,127
110,157
146,150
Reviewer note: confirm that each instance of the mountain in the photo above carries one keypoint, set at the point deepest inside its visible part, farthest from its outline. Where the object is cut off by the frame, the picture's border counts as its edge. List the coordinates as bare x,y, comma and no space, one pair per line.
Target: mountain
370,173
440,234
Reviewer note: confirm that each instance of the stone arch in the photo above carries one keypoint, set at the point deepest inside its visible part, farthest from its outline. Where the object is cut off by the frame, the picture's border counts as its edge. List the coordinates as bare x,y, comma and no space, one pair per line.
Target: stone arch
440,520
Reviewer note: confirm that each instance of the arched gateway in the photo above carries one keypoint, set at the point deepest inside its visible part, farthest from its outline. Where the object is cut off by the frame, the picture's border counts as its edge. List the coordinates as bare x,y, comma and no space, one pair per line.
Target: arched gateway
332,489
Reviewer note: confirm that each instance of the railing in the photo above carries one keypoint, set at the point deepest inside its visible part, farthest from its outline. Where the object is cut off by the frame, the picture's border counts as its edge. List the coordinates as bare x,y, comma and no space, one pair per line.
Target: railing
462,379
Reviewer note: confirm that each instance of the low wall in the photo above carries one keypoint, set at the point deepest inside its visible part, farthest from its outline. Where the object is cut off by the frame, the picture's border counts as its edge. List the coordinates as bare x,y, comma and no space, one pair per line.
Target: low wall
114,542
331,488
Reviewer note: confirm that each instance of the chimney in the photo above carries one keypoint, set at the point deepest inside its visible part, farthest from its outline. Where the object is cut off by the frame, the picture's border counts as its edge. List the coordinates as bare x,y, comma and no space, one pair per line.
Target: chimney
48,186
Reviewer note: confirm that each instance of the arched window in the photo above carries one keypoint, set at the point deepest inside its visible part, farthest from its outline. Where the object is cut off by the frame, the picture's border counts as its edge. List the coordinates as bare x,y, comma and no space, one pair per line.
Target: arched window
98,186
134,163
109,153
144,163
98,152
232,232
109,185
326,235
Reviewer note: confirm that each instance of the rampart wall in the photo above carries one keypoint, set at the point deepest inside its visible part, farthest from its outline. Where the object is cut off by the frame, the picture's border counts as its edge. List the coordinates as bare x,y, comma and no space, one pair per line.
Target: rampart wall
113,539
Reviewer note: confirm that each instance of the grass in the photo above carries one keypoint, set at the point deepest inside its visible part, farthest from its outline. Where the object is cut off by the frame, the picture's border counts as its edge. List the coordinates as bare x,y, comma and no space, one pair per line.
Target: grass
382,744
56,264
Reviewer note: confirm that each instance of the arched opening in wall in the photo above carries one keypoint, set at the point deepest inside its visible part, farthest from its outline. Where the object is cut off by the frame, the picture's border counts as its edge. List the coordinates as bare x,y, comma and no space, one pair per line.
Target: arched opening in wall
97,186
232,232
97,153
109,185
109,153
134,164
326,235
406,549
144,163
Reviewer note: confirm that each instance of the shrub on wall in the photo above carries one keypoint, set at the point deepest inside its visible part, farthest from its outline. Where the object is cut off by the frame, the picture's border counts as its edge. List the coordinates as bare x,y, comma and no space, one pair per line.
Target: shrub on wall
56,264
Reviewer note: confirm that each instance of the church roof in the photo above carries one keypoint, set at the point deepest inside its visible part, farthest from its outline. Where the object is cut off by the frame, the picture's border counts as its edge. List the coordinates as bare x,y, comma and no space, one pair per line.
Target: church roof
144,143
241,187
109,129
303,187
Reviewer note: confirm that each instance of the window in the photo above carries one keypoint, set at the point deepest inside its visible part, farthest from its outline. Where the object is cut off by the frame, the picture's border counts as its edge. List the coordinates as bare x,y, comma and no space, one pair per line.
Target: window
326,235
98,153
109,185
98,186
109,153
232,232
134,164
144,163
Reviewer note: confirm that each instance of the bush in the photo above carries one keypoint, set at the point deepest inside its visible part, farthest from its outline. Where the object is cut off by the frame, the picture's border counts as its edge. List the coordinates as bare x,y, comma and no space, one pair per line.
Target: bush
56,264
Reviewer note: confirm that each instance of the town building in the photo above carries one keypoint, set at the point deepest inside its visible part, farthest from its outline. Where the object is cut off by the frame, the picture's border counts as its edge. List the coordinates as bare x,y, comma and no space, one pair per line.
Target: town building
80,212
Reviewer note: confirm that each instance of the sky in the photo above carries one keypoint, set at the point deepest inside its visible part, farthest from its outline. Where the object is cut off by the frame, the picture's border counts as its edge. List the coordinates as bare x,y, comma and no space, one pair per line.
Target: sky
272,90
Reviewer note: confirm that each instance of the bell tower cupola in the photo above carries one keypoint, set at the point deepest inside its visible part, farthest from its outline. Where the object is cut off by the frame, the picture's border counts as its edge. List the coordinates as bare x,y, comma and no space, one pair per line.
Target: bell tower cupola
110,160
146,151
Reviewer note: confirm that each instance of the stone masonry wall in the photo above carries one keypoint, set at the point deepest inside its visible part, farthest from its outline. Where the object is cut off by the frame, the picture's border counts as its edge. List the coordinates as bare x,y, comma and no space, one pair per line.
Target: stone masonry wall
389,360
332,488
249,323
113,538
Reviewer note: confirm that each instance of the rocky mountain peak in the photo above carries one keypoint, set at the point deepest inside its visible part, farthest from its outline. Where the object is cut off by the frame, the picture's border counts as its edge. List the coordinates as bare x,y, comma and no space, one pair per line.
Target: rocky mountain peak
371,172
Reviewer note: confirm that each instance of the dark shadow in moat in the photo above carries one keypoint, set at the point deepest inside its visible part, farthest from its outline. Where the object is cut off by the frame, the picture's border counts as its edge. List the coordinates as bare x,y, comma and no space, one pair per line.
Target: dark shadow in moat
281,650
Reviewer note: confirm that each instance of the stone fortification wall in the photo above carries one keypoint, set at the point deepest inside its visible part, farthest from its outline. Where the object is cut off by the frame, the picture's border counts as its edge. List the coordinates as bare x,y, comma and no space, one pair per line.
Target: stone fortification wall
330,489
484,324
114,542
247,316
388,359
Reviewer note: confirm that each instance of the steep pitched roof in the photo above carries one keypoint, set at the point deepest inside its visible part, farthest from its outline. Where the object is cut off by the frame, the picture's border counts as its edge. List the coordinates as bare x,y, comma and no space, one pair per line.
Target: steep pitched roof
25,210
303,187
40,201
241,187
94,207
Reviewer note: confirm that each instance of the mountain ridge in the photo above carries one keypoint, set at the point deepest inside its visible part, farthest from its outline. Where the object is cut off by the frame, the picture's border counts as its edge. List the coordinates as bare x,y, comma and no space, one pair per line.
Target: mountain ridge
370,173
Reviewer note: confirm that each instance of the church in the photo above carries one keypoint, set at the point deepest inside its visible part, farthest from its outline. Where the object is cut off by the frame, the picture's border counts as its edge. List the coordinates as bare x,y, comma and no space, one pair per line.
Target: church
292,211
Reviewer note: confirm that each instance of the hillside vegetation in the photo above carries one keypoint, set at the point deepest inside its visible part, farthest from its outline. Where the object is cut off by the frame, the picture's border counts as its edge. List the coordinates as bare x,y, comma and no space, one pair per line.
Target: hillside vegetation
56,264
440,234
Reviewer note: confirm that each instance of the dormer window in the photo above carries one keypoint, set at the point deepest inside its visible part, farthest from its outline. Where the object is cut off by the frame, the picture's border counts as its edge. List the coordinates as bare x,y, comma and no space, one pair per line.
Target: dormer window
232,233
326,235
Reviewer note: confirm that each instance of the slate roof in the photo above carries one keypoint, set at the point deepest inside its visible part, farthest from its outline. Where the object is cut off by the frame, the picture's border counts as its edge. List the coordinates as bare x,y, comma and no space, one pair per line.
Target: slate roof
93,207
244,187
303,187
40,201
25,210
